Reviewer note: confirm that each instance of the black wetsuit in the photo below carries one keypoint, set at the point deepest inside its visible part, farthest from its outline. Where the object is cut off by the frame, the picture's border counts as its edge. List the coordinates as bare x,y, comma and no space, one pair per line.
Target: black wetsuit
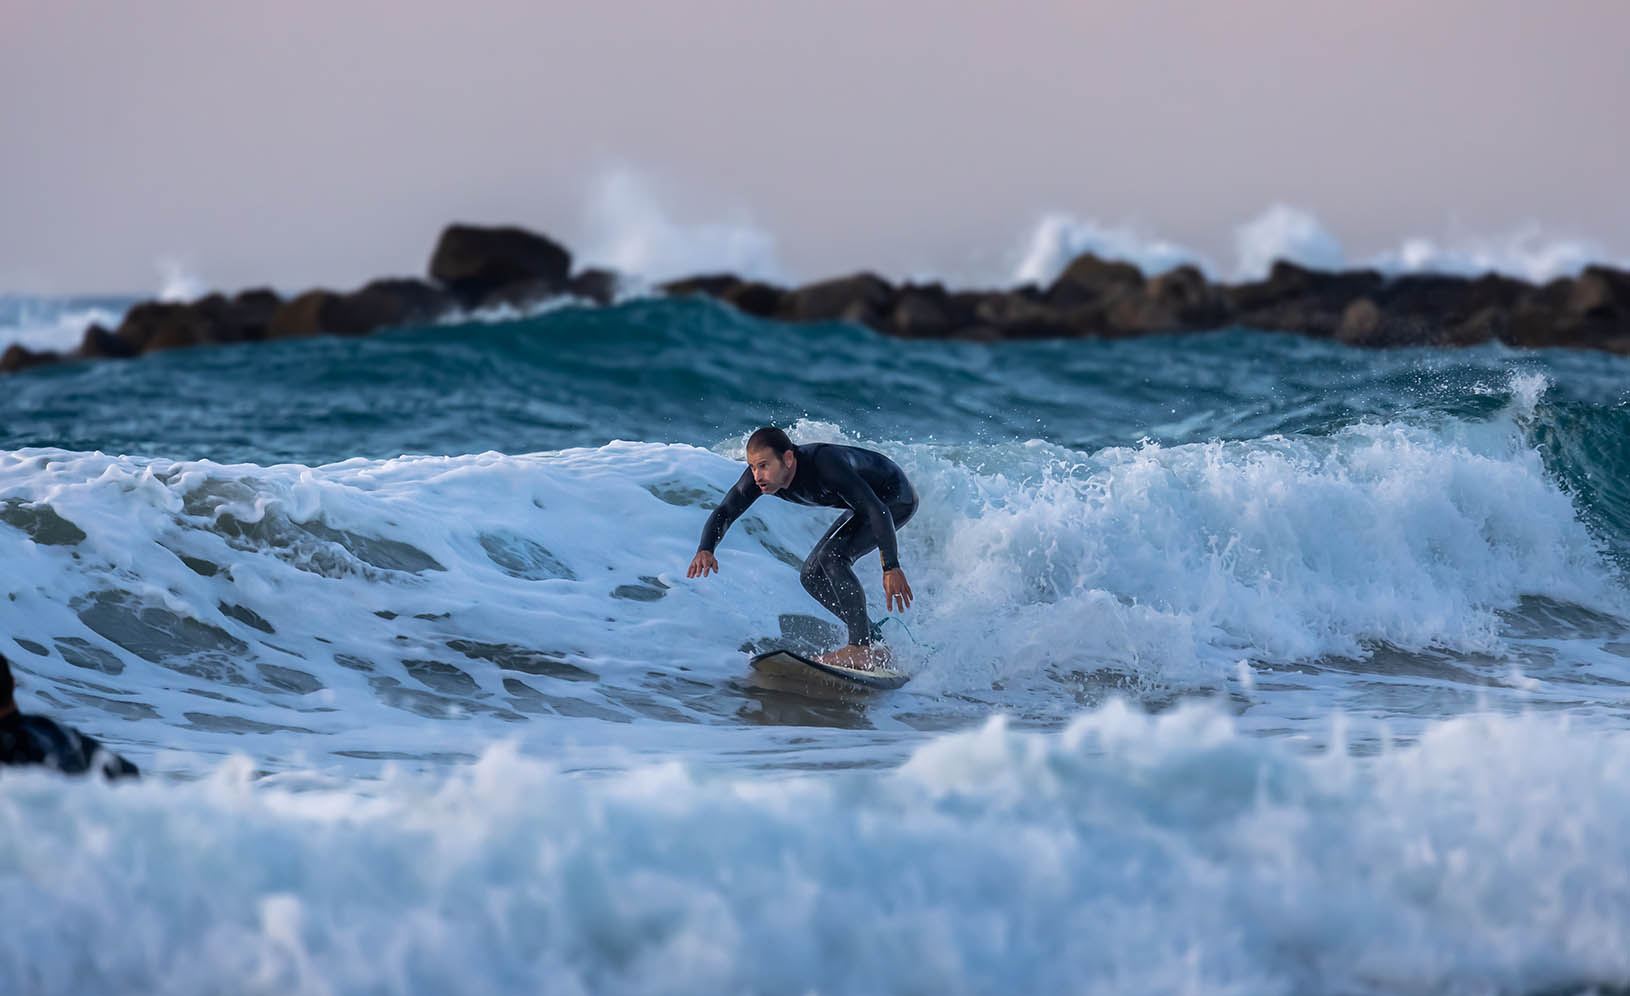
878,499
38,740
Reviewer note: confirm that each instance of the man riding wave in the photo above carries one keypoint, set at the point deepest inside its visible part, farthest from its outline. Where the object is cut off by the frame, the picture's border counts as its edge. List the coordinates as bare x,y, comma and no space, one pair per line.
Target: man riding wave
877,499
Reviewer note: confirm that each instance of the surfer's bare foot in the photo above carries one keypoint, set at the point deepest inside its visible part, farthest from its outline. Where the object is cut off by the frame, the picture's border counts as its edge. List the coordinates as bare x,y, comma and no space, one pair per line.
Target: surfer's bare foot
859,658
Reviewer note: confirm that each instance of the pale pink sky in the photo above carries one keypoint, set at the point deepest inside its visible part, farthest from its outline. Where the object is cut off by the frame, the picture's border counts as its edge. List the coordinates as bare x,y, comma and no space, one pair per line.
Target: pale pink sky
303,143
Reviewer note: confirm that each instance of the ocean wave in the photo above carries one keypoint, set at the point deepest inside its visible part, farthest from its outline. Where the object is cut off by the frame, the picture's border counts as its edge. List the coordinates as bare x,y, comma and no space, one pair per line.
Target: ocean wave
355,600
1125,853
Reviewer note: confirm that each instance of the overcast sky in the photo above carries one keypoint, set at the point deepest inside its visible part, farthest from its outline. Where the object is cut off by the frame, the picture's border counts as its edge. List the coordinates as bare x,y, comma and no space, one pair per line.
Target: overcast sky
303,143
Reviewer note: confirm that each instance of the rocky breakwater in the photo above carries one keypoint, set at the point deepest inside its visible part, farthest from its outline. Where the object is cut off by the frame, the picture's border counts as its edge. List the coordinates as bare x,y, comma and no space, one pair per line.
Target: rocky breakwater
1095,297
472,268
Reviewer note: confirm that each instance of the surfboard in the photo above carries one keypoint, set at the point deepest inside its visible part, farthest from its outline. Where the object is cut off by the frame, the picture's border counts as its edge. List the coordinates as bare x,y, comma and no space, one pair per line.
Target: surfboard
786,666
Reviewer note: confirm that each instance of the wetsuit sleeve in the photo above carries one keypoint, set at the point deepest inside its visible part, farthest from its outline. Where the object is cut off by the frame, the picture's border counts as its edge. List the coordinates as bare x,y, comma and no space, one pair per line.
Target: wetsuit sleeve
843,478
736,500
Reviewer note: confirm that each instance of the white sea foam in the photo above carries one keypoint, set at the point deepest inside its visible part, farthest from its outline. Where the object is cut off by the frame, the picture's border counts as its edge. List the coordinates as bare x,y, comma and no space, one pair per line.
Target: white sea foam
631,230
1059,238
1284,232
1125,854
50,324
179,280
1297,235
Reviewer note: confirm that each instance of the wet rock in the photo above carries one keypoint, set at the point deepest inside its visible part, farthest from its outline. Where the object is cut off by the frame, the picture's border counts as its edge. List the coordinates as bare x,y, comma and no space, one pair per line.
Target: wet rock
705,284
472,261
925,311
755,298
391,303
302,316
20,357
211,320
103,343
599,286
864,298
1089,278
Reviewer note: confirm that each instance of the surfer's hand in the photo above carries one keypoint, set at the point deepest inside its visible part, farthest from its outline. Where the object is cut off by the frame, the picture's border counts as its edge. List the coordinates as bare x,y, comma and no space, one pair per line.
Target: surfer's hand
895,590
701,565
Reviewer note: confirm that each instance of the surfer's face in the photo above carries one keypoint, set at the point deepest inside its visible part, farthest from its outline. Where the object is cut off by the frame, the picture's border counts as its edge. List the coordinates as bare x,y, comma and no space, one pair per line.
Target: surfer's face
770,472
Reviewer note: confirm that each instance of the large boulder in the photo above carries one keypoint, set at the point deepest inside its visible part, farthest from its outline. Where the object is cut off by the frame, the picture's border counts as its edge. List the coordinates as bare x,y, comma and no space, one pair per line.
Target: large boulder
164,325
389,303
154,325
757,298
302,315
751,296
1090,278
102,343
20,357
595,284
1019,314
1178,300
925,311
705,284
864,298
472,261
1601,292
1289,282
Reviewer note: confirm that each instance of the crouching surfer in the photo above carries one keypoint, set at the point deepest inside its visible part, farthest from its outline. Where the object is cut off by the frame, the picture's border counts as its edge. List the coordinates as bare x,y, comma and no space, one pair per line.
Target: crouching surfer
877,500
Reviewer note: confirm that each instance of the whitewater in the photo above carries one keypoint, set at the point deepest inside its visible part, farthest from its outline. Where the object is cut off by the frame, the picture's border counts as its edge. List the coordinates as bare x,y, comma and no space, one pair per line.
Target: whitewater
1241,663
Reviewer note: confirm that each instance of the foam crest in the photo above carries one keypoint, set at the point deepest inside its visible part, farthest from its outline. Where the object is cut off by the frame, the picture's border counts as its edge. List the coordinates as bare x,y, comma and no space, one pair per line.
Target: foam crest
1129,853
1059,238
1288,233
630,230
1295,234
1527,253
42,323
1173,562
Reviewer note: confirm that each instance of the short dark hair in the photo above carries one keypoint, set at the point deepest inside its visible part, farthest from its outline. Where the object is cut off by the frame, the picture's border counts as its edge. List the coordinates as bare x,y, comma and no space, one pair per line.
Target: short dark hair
770,438
8,685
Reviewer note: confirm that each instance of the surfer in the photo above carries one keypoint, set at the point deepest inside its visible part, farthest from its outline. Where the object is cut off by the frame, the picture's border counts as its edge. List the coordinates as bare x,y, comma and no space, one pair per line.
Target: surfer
877,499
38,740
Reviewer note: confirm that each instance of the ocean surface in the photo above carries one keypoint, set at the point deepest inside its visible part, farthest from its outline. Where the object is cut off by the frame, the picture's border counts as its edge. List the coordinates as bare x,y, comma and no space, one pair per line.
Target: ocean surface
1242,663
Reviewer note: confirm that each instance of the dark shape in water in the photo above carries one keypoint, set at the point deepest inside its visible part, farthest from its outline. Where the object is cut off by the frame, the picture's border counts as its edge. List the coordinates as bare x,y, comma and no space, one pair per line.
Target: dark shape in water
83,653
522,558
237,724
41,522
246,615
156,634
289,679
442,677
548,663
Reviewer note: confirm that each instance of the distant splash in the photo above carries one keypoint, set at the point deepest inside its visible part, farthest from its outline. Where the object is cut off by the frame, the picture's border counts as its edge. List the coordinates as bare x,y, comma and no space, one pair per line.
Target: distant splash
49,323
629,229
1295,234
179,280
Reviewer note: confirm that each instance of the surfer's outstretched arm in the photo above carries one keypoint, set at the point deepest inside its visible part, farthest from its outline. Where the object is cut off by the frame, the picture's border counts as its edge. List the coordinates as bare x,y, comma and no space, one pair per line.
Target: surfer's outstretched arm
735,502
